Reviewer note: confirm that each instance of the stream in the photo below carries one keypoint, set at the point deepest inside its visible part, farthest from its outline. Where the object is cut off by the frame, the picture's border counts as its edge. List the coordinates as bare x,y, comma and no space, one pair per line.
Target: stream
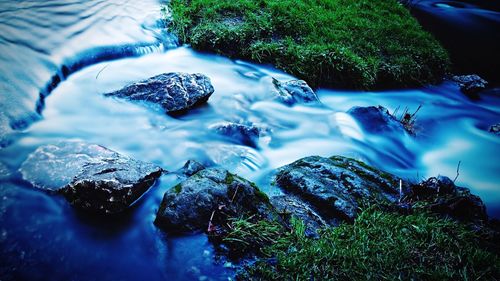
58,58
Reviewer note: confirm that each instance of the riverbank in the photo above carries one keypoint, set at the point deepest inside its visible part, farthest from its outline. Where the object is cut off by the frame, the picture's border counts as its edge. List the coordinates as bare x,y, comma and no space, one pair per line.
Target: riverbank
351,44
337,218
378,246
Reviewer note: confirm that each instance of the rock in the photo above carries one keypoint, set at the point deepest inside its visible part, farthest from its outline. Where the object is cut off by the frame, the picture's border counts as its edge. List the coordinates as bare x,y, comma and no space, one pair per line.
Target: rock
495,129
176,92
191,167
470,84
337,186
442,196
464,207
211,193
90,176
289,206
433,186
294,91
240,133
376,119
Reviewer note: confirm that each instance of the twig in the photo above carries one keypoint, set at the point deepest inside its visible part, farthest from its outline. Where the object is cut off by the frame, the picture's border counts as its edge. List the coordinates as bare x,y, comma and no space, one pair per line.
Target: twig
458,171
400,189
98,73
234,195
395,113
210,226
419,107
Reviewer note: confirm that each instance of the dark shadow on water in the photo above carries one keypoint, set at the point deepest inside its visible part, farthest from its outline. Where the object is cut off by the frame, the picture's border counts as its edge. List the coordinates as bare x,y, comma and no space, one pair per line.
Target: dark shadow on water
469,30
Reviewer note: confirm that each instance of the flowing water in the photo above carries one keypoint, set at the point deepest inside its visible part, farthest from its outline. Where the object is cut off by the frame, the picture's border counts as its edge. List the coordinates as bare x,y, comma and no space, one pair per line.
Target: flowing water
59,57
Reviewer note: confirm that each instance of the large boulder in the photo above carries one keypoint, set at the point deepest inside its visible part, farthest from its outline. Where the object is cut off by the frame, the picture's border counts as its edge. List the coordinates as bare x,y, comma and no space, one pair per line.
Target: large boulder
376,119
337,186
294,91
176,92
470,84
208,199
239,133
90,176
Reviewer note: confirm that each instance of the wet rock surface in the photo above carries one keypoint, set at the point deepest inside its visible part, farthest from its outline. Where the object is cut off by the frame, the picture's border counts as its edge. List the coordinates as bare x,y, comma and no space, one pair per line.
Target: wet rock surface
289,206
337,186
208,199
441,195
90,176
175,92
190,168
495,129
239,133
470,84
376,119
294,92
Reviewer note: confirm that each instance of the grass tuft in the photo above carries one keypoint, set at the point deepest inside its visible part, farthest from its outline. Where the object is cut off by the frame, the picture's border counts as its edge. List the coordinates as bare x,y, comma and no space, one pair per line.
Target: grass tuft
360,44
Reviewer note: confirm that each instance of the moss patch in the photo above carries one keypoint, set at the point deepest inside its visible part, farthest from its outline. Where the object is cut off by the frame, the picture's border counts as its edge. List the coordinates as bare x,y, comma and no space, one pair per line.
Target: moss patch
229,178
378,246
177,188
341,162
360,44
259,193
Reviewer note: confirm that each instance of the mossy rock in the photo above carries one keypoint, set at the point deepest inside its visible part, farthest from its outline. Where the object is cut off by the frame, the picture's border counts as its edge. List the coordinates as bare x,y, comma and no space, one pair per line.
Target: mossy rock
211,196
338,186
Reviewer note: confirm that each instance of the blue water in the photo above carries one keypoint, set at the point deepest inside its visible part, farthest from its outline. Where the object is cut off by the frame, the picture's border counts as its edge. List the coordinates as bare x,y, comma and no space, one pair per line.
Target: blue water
59,57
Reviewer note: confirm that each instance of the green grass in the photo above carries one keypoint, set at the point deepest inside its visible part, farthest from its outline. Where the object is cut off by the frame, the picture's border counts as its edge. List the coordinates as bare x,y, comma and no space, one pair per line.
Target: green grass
361,44
248,236
378,246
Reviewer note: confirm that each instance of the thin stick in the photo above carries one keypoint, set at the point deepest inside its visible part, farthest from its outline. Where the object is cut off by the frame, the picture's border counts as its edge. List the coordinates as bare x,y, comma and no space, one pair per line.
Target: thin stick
234,195
101,71
415,113
400,189
209,229
458,171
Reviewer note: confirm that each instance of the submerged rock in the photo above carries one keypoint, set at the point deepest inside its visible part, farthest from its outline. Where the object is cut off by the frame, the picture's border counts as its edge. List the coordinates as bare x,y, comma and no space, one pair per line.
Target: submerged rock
289,206
90,176
337,186
240,133
470,84
208,199
495,129
294,91
4,171
442,196
175,92
376,119
191,167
